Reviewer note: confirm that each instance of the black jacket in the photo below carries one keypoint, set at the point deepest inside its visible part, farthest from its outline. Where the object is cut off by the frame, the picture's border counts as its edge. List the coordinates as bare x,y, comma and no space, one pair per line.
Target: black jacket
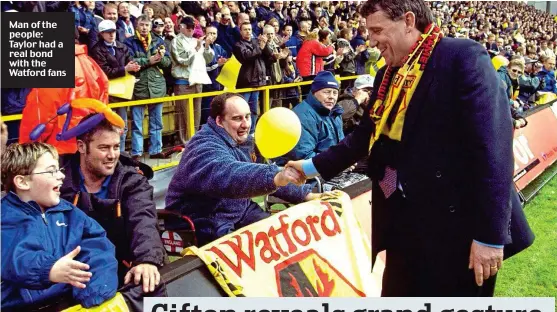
134,232
112,65
253,72
454,164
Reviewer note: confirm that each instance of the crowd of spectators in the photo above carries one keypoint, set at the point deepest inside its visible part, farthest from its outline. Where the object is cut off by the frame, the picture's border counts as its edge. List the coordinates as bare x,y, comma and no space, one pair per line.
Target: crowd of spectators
163,42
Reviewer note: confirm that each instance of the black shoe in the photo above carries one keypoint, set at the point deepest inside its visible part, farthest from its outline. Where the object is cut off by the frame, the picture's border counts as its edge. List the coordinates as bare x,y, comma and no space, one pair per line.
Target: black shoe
158,156
136,158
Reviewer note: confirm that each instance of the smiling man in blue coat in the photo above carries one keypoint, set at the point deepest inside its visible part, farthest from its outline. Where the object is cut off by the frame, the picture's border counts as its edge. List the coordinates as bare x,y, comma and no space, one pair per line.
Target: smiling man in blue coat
217,175
439,133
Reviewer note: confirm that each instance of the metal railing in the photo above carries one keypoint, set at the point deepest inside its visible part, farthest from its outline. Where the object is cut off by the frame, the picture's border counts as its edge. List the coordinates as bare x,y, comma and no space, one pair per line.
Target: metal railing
191,97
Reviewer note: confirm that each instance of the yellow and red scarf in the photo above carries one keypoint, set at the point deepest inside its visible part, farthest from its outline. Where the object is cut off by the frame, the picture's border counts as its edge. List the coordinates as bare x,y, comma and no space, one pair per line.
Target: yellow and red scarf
146,41
398,94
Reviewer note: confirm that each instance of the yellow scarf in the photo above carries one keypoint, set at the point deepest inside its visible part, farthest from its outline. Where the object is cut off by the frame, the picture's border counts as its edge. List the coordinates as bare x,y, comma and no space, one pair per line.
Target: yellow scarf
145,41
398,94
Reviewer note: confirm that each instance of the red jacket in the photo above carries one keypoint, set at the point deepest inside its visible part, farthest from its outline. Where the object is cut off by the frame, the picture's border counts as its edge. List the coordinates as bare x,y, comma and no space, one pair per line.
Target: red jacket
42,103
310,57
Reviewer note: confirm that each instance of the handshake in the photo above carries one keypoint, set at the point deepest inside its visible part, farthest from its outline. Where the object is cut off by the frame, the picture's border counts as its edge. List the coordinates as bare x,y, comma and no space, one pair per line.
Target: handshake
289,175
293,173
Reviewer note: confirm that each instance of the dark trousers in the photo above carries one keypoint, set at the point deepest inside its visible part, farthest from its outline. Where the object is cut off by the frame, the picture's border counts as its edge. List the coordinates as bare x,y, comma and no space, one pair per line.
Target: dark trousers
252,214
418,267
405,276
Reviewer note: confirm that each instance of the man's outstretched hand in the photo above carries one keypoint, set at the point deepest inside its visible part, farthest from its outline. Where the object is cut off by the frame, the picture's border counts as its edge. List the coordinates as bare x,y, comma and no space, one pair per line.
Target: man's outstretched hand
296,164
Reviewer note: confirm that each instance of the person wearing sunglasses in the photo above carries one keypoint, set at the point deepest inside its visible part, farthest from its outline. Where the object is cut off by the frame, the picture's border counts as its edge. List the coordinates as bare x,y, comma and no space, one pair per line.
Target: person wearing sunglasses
509,75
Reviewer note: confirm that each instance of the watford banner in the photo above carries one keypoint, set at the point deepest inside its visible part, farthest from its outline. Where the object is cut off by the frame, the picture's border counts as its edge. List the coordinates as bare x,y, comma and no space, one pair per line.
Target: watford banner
315,249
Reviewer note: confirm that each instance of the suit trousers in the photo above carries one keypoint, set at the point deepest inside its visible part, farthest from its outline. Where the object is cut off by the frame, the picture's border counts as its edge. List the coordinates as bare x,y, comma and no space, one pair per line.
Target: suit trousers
428,270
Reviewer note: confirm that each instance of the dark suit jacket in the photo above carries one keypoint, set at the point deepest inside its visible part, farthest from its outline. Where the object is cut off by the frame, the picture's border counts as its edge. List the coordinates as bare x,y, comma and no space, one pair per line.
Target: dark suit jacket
454,162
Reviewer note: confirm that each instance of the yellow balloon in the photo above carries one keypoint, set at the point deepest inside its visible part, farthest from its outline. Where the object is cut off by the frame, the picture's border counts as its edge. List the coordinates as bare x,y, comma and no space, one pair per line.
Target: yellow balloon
499,61
277,132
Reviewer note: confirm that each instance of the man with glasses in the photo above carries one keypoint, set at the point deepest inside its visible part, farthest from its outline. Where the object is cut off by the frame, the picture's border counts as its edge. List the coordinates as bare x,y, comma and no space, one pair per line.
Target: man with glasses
439,142
321,119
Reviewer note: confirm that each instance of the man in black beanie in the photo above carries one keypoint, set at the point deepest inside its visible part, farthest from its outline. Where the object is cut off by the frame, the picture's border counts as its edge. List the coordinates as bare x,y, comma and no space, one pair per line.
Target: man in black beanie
321,119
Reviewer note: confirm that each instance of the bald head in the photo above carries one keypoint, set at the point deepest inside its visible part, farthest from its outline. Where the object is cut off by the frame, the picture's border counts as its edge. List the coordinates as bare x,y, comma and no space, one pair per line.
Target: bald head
243,18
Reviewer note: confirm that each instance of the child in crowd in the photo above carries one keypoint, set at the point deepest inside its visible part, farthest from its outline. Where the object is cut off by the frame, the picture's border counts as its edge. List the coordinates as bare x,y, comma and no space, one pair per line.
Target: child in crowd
49,247
290,74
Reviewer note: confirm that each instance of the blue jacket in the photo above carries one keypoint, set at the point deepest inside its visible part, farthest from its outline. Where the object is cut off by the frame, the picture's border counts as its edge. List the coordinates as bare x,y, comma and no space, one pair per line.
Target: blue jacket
321,129
263,13
213,69
362,58
216,179
293,91
14,100
83,17
33,242
549,77
227,36
281,20
294,43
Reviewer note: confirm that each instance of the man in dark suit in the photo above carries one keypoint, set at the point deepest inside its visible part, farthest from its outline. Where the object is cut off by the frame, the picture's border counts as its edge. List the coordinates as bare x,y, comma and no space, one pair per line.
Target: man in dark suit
439,132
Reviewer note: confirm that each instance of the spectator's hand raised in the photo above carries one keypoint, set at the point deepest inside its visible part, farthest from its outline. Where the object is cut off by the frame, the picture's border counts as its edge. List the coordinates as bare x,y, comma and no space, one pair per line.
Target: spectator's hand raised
361,48
340,51
221,61
360,96
155,59
284,53
262,41
82,29
200,42
132,67
69,271
209,40
148,273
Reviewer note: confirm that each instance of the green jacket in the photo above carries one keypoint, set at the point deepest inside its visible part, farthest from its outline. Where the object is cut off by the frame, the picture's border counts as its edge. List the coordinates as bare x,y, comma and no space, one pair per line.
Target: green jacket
151,82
